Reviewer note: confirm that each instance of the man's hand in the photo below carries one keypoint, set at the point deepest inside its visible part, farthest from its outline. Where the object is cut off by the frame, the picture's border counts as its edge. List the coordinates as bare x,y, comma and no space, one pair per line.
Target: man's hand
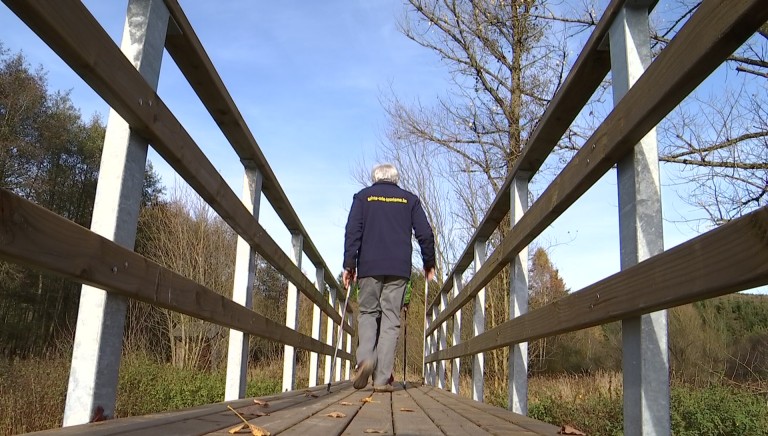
348,276
429,273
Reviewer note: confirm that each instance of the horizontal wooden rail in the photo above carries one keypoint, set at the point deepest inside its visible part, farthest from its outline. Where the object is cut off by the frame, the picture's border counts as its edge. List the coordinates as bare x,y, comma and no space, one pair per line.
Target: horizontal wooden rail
728,259
714,31
589,70
193,61
41,239
75,35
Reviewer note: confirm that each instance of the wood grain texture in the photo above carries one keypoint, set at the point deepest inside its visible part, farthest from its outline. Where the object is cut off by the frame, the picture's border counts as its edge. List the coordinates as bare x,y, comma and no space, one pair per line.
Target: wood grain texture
322,424
487,422
39,238
374,415
714,31
408,418
449,423
531,424
72,32
730,258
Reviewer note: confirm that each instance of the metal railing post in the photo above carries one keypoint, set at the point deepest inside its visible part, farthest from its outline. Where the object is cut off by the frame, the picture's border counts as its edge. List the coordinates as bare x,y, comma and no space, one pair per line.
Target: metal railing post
242,289
92,389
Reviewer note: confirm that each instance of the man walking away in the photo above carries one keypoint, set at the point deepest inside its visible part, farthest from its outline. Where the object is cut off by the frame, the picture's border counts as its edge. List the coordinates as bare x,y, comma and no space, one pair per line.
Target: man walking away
377,251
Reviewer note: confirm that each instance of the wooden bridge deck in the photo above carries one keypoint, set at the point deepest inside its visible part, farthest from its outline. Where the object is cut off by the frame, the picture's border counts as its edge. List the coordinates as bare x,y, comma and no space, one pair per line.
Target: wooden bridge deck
417,410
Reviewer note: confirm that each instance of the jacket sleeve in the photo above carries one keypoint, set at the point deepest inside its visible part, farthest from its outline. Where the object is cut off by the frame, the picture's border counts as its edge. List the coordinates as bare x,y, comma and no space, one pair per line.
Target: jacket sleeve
423,232
353,234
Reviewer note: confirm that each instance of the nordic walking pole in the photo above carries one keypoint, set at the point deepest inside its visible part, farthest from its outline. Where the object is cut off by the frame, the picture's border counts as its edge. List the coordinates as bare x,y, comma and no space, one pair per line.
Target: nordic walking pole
405,344
338,337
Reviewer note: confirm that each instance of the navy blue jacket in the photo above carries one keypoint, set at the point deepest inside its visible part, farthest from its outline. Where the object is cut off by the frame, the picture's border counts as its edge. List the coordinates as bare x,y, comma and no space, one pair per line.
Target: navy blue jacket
378,234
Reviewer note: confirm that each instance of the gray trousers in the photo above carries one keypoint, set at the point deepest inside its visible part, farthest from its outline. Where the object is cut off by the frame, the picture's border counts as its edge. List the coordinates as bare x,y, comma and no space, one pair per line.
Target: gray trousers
378,324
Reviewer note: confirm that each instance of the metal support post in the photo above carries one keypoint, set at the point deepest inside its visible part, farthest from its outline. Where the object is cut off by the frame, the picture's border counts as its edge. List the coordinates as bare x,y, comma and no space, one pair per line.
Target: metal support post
645,352
478,327
314,365
518,302
329,336
291,316
443,338
456,337
92,388
242,290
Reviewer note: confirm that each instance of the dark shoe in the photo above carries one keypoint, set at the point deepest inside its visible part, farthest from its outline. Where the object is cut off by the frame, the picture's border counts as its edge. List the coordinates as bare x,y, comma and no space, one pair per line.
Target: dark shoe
362,374
383,388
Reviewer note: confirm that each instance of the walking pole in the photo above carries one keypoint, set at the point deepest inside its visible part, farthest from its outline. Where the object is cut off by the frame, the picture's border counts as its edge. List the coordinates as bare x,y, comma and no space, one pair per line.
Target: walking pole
338,337
405,345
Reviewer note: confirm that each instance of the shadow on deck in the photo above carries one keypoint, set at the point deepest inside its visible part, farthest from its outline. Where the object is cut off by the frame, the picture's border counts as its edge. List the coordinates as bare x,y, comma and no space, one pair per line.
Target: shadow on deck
417,410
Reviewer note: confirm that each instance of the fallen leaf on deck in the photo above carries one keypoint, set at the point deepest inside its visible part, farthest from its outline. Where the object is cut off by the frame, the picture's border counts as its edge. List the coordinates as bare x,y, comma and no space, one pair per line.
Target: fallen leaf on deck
237,429
567,429
346,403
261,403
373,430
368,400
258,431
310,395
336,415
405,409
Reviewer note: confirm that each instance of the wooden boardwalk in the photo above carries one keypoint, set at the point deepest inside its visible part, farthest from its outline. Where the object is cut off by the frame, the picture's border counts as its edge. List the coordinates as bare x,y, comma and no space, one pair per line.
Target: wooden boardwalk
417,410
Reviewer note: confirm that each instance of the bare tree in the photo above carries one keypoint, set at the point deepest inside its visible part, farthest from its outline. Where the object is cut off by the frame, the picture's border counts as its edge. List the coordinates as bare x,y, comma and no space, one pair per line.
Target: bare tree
185,236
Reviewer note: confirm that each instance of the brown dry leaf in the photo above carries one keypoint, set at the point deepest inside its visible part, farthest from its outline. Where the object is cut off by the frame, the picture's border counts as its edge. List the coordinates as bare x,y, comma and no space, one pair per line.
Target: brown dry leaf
237,429
374,430
336,415
405,409
261,403
567,429
310,395
258,431
346,403
368,400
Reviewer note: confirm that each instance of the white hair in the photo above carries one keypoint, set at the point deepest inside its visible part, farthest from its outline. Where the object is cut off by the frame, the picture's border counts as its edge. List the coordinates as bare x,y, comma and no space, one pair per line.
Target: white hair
385,173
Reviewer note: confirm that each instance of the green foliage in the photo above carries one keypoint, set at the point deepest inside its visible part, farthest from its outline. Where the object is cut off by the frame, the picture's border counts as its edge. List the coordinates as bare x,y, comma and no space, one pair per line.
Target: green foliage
711,411
717,410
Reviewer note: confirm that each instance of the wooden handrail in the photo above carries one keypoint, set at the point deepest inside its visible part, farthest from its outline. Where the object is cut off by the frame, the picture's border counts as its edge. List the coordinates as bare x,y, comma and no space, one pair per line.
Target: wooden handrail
704,42
41,239
75,35
728,259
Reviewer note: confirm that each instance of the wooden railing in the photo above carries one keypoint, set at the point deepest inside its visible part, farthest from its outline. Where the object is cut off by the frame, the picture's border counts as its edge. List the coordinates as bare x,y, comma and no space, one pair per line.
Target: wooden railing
731,258
41,239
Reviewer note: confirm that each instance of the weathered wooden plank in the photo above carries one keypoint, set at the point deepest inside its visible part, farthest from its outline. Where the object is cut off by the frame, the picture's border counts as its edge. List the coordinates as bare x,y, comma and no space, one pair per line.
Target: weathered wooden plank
144,424
285,419
730,258
37,237
187,51
487,422
449,423
72,32
538,427
374,415
322,424
408,418
714,31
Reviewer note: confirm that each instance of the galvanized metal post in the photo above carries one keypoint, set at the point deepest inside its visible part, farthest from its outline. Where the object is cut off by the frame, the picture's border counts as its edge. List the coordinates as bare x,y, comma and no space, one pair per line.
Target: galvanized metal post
456,336
443,338
645,358
291,316
518,302
95,366
329,334
242,289
313,362
478,327
337,365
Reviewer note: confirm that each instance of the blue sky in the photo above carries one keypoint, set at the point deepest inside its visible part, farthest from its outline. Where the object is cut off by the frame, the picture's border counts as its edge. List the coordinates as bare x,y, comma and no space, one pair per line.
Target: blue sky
307,78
